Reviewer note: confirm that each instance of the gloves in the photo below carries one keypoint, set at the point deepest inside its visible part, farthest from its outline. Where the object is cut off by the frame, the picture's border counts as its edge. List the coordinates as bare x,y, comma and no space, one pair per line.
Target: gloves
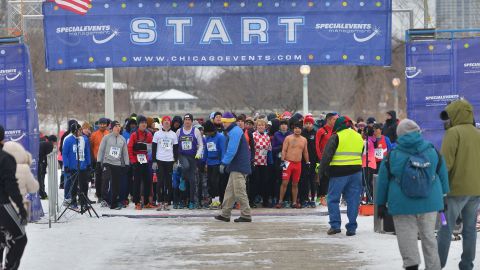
382,211
308,164
198,156
66,170
317,167
445,204
154,166
98,166
23,216
222,168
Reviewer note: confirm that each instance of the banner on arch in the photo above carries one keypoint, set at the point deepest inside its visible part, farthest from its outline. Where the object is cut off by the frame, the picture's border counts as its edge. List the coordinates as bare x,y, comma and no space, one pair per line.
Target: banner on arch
218,33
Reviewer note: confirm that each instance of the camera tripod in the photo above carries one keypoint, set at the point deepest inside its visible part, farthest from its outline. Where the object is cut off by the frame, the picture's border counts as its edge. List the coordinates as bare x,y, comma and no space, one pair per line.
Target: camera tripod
85,204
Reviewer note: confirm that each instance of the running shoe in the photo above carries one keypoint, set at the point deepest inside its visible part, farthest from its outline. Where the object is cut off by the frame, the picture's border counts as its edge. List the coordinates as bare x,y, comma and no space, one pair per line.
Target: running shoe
149,206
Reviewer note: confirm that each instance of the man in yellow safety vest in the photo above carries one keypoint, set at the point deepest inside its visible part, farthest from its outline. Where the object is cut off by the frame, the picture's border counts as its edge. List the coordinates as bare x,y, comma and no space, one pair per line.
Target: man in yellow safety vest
342,162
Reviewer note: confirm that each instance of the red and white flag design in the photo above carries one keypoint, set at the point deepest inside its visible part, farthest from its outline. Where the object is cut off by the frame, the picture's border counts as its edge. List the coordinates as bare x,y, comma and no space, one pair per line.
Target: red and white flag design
77,6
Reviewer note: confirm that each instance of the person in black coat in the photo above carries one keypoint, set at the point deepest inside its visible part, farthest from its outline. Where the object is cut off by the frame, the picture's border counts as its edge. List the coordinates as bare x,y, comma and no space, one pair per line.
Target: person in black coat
45,148
12,223
390,127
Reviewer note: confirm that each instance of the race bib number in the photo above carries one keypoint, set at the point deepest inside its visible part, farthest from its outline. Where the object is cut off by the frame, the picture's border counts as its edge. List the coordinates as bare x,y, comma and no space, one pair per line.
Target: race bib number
379,153
211,147
186,145
142,158
285,165
166,144
114,152
263,152
81,153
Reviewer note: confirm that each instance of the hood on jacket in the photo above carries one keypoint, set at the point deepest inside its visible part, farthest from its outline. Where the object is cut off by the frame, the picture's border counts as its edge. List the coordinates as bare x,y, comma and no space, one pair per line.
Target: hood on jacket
460,112
275,127
412,142
18,152
177,119
393,114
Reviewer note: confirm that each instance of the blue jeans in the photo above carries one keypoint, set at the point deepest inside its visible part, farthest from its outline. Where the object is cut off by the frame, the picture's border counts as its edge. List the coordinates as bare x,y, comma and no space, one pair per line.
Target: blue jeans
467,207
67,185
351,187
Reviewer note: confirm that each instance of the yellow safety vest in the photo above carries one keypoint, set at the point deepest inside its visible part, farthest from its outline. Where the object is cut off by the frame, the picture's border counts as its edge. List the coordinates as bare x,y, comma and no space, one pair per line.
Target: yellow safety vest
349,150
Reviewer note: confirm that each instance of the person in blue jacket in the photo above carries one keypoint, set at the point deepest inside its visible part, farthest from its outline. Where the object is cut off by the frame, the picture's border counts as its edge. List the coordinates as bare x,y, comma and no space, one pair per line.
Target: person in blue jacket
214,150
413,217
76,162
236,161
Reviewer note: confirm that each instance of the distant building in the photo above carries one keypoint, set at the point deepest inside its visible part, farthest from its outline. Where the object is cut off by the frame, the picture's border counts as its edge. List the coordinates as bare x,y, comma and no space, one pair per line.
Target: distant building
458,14
169,102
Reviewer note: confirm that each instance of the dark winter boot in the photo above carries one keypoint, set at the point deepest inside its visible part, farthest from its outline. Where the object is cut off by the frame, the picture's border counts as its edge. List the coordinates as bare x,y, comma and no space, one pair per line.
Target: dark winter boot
243,219
413,267
222,218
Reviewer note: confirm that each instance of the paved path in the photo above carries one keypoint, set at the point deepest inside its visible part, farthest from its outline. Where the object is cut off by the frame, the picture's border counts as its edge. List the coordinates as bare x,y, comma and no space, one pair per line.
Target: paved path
267,243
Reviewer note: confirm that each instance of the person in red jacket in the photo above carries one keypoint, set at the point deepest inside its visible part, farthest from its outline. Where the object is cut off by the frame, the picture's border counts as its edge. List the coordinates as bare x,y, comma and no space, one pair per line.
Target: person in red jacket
138,153
321,139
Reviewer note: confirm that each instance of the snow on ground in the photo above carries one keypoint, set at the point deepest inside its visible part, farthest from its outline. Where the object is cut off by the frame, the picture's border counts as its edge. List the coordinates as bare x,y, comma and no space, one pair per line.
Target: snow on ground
81,242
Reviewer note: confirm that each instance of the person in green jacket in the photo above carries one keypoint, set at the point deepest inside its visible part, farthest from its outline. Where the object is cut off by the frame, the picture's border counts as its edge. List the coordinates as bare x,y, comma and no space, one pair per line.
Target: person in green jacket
412,216
461,149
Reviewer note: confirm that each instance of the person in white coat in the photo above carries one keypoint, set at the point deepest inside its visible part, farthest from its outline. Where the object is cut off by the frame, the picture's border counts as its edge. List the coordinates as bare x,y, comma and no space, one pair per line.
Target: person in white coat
25,179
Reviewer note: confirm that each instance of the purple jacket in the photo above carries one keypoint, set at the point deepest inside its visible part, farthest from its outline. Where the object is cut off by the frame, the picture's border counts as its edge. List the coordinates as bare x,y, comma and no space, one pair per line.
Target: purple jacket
277,142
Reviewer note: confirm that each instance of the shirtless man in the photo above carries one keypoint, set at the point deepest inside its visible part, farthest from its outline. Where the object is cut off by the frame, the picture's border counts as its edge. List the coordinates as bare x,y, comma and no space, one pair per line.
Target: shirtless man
293,147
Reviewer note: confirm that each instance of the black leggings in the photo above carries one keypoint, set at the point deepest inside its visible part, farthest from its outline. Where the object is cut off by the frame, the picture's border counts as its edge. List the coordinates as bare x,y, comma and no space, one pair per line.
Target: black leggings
141,175
213,176
112,176
12,235
260,183
164,184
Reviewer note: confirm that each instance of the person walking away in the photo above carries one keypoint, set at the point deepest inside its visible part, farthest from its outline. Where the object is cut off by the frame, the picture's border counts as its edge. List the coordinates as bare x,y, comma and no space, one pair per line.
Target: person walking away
413,200
237,162
138,153
294,147
95,141
342,162
113,155
190,148
45,148
12,222
461,149
323,135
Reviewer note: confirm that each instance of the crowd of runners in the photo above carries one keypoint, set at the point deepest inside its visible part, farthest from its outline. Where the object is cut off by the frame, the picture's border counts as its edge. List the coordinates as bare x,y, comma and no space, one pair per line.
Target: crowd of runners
164,162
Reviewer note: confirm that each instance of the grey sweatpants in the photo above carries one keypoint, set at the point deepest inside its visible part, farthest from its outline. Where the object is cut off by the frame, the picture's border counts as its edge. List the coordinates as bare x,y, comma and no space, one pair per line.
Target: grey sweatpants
407,228
236,191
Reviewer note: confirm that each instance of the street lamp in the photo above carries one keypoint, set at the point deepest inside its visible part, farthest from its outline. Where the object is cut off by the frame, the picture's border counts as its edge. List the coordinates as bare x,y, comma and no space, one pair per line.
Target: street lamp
396,83
305,70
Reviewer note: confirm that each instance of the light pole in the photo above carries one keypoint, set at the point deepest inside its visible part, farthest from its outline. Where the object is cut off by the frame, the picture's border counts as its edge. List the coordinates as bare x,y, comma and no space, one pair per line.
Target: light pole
396,83
305,70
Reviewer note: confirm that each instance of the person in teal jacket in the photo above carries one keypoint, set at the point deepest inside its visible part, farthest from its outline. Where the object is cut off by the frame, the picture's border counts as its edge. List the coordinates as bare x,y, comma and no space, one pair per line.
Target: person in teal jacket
412,215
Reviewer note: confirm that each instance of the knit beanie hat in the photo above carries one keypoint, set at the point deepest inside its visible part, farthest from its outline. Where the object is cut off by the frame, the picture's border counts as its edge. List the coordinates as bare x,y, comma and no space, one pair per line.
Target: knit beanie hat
228,117
216,113
298,124
341,123
141,119
309,119
188,116
103,120
406,126
165,118
114,123
209,127
371,120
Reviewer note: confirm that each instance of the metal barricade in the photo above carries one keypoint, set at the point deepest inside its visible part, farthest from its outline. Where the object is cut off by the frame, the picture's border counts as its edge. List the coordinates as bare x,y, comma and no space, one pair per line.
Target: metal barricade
52,169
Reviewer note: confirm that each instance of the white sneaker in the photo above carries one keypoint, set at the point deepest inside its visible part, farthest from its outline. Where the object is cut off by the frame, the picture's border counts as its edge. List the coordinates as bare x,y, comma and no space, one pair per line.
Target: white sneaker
166,207
160,207
66,202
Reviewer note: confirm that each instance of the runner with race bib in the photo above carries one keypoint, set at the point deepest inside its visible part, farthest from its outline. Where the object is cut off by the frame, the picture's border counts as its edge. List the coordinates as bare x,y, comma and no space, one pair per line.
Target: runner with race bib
113,155
164,155
137,150
191,148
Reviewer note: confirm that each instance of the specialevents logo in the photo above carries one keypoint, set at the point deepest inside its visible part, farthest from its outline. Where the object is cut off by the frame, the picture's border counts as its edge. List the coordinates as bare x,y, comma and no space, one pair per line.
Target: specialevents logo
440,100
362,32
412,72
14,135
100,34
471,67
10,74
